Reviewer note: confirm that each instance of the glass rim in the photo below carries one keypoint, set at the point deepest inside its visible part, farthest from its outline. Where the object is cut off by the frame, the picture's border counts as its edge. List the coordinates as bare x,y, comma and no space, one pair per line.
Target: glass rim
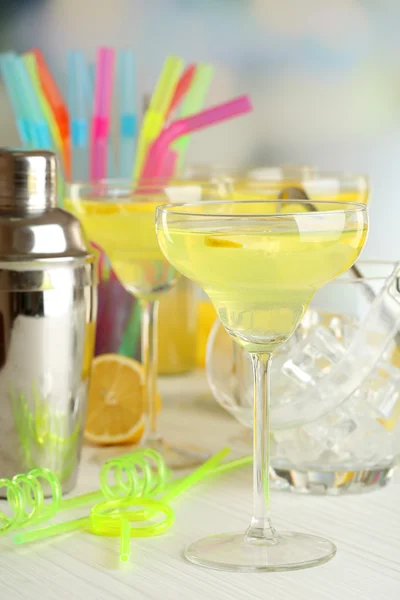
348,207
310,173
132,184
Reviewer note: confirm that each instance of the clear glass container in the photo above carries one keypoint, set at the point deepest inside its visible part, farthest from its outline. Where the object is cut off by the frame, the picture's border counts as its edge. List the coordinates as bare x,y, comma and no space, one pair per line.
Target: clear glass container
335,413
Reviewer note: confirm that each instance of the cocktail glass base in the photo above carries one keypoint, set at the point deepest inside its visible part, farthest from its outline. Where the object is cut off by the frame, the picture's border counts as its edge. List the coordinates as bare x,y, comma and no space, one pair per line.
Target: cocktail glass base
235,552
177,457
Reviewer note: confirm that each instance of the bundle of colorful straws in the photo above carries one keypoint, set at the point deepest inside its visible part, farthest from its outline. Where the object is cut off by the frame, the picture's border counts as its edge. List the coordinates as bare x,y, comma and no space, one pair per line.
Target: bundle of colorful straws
79,130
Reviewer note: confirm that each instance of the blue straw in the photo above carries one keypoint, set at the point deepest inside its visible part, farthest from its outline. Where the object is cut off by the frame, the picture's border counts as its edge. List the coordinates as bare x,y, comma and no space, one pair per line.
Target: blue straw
15,100
79,110
40,134
127,83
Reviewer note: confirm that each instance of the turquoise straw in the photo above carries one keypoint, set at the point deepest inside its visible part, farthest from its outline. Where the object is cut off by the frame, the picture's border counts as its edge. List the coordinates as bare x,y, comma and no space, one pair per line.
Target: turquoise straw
15,100
127,85
79,111
40,130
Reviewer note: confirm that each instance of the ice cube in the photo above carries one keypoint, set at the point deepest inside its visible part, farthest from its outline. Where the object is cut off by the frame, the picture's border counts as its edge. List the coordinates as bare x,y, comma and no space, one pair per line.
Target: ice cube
332,429
296,447
343,439
381,390
344,328
314,358
370,443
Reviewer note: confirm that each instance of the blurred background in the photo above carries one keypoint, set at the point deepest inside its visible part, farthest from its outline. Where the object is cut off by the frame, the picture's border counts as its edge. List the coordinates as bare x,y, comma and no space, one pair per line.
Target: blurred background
324,78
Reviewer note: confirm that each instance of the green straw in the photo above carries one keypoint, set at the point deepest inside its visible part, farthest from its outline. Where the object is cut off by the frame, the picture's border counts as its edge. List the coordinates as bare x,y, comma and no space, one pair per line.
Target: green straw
125,541
130,337
228,466
193,103
89,498
233,464
175,488
44,532
181,485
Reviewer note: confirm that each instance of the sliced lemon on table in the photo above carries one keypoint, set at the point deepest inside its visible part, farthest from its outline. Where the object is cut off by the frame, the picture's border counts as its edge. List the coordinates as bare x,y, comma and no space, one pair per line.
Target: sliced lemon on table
115,412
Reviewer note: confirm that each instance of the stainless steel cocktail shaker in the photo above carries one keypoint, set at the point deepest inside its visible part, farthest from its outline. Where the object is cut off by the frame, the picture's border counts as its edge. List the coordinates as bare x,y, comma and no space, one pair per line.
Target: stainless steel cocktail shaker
48,309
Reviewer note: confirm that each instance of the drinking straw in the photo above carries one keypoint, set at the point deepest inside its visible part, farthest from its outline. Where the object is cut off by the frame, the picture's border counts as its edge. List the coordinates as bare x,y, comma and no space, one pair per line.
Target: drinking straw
57,104
91,76
41,135
131,333
127,84
111,525
193,103
31,129
106,517
100,126
182,88
125,541
168,165
15,101
53,530
101,523
79,94
82,500
31,67
180,486
156,113
221,468
180,127
233,464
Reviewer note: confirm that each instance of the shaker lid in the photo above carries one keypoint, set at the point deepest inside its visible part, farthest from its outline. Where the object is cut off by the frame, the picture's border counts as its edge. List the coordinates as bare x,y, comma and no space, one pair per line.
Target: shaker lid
31,225
28,180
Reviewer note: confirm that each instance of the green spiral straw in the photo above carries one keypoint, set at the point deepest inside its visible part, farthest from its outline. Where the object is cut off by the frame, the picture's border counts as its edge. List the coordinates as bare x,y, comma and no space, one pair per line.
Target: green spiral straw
26,501
53,530
114,517
105,517
139,473
106,520
136,474
125,541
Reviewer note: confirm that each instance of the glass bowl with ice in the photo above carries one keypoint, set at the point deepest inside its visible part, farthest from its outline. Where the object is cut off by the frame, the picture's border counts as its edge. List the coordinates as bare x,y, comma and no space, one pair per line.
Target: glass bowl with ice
335,408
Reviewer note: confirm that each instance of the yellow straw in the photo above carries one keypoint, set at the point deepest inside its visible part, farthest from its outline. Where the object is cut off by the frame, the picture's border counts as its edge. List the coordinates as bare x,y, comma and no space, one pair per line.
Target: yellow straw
156,113
30,63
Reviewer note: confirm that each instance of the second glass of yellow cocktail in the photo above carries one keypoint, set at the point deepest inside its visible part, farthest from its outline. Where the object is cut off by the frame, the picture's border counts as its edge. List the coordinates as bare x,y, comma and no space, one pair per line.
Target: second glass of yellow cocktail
120,220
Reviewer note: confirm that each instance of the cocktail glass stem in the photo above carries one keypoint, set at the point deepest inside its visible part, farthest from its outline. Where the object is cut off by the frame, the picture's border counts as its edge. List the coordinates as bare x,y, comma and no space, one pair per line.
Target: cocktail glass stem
149,359
261,526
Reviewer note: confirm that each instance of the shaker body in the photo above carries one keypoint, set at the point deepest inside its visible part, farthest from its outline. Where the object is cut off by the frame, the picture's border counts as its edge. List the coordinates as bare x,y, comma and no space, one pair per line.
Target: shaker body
47,331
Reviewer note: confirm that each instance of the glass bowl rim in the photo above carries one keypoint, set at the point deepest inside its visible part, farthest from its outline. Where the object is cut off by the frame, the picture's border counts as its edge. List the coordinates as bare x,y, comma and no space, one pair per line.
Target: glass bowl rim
173,208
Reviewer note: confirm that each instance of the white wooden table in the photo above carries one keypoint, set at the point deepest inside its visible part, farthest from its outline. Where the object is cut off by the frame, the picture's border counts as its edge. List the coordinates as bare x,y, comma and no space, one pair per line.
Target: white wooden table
365,528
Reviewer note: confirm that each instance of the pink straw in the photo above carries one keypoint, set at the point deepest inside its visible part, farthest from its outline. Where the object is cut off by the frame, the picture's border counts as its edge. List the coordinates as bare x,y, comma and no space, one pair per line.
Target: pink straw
101,113
211,116
168,164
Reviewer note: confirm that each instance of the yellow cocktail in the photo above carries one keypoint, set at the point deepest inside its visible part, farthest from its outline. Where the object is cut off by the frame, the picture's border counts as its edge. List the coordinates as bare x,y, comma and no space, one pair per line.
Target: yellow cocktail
126,233
120,221
260,267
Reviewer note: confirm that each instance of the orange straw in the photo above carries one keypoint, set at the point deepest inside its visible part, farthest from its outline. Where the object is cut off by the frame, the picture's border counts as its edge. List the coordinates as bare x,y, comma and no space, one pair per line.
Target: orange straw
182,88
57,105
